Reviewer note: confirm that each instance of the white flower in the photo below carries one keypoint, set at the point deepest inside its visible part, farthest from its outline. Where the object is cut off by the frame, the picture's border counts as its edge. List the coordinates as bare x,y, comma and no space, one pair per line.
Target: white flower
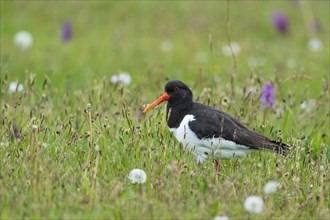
291,63
15,85
122,77
89,105
256,62
23,40
221,217
34,127
97,148
137,176
166,46
315,45
309,105
270,187
321,168
254,204
234,46
252,90
202,57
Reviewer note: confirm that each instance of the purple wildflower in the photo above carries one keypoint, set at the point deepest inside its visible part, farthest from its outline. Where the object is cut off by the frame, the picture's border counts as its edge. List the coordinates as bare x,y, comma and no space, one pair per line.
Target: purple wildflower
268,96
15,132
67,31
280,22
315,26
140,114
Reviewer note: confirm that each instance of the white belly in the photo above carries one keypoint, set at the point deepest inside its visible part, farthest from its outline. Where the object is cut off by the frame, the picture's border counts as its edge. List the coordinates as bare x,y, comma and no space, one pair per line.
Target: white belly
204,148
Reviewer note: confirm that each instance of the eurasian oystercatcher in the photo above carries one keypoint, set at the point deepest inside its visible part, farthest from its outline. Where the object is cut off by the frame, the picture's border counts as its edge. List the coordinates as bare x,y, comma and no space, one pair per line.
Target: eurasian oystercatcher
208,132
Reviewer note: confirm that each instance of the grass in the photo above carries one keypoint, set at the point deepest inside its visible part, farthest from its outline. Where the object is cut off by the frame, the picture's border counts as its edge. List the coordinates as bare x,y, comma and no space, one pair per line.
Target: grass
46,174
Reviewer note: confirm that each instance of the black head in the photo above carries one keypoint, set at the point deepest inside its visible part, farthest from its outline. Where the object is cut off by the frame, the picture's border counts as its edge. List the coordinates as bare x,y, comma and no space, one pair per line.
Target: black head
178,92
178,95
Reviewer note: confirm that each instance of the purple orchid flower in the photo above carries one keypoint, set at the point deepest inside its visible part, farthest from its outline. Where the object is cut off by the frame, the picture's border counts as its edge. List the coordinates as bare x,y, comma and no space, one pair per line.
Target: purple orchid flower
268,96
15,131
140,113
280,22
315,26
67,31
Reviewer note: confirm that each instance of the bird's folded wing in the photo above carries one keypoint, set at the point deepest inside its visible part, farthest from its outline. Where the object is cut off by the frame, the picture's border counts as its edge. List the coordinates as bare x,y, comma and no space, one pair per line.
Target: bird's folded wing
220,124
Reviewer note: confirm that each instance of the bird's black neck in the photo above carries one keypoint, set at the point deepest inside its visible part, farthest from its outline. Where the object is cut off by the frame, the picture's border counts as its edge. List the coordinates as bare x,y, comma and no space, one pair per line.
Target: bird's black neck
175,112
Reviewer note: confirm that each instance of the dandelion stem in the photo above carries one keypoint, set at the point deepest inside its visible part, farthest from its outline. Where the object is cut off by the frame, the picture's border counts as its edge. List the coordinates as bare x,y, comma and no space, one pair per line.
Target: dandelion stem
34,158
90,140
96,168
232,76
211,52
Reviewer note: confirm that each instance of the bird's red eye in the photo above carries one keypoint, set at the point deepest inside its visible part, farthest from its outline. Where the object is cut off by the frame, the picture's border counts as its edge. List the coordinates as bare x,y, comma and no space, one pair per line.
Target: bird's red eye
176,89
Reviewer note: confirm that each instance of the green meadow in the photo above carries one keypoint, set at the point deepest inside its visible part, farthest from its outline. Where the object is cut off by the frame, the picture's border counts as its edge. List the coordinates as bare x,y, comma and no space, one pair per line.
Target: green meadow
70,134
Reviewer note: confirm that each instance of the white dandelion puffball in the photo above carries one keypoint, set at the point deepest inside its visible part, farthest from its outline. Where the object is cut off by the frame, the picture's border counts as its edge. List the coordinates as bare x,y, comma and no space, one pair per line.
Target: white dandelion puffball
34,127
23,40
234,46
202,57
122,77
15,85
256,62
221,217
254,204
166,46
309,105
137,176
270,187
292,63
315,45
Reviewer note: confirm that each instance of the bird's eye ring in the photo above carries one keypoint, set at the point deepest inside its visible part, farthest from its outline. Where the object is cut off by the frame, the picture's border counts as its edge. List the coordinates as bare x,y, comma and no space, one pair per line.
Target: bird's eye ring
176,89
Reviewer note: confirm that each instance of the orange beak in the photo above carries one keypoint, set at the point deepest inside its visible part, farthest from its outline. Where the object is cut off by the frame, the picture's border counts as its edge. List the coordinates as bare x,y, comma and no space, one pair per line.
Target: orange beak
161,99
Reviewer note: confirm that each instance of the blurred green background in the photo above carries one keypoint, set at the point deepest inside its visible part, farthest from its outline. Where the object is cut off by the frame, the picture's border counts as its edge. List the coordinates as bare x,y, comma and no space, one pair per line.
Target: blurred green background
113,36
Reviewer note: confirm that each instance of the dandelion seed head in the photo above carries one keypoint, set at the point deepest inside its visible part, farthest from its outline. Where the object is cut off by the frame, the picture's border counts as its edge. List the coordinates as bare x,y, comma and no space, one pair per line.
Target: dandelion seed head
166,46
15,86
292,63
97,148
270,187
137,176
315,45
202,57
23,40
254,204
256,62
235,47
122,77
34,128
223,217
309,105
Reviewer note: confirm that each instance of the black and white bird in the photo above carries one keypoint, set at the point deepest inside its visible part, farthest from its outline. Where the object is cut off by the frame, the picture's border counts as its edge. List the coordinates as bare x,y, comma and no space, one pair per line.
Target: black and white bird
208,132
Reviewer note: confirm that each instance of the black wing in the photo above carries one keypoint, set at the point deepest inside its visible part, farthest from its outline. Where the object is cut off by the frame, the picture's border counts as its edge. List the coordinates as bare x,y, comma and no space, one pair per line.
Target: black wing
211,122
